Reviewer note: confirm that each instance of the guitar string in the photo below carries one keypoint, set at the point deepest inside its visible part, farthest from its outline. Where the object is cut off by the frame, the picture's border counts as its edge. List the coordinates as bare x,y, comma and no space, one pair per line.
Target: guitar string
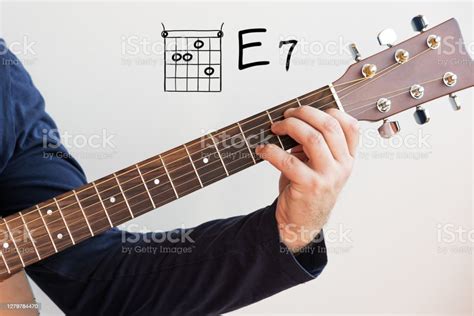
184,157
206,137
291,102
378,75
13,267
187,191
387,72
147,208
213,162
278,108
402,91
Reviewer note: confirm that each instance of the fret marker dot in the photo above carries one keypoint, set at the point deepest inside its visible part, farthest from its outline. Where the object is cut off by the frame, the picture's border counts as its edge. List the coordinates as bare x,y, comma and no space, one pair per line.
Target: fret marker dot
49,212
205,160
112,199
6,245
156,181
60,236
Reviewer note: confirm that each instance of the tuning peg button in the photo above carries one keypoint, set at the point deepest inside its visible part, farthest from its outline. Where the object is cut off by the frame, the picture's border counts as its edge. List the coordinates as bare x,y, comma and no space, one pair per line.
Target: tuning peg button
419,23
389,128
455,103
387,37
422,116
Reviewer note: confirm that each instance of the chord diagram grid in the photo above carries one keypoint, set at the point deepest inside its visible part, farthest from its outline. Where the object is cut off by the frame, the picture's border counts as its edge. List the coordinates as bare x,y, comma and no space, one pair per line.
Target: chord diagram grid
193,60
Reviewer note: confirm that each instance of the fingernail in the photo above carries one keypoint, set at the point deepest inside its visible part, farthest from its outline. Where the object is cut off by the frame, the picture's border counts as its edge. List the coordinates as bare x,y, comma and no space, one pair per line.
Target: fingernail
259,148
288,112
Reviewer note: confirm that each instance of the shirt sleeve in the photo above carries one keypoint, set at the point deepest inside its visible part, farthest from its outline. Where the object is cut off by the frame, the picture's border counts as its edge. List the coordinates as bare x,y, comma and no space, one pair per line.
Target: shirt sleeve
213,268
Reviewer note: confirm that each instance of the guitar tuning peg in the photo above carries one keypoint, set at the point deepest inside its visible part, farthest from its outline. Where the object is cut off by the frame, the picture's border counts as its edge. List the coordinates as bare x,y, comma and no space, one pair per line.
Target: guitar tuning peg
389,128
355,52
387,37
419,23
421,115
455,103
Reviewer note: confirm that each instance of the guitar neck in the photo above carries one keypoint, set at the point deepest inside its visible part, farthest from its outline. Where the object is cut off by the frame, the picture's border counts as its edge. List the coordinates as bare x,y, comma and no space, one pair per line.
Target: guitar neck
56,224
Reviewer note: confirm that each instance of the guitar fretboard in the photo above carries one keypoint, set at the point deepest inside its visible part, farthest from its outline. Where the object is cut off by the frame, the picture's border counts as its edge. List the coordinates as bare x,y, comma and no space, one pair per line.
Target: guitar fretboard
54,225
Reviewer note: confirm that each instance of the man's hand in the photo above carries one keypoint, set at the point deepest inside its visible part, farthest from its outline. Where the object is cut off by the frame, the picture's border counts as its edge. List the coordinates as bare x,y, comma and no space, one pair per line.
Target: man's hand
314,172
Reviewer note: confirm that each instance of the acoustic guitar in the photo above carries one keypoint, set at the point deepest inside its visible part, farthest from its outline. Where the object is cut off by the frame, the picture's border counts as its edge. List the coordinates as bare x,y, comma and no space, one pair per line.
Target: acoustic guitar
430,65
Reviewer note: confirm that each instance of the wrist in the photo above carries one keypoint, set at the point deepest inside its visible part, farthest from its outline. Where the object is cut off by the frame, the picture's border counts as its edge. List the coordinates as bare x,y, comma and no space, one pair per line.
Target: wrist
294,236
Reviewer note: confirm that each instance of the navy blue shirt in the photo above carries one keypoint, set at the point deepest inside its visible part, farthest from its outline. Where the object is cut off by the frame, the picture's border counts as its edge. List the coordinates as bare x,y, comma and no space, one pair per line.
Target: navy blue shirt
229,263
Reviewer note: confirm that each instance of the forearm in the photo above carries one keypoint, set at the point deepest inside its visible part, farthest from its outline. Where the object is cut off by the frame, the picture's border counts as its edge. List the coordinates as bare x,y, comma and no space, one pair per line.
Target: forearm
222,265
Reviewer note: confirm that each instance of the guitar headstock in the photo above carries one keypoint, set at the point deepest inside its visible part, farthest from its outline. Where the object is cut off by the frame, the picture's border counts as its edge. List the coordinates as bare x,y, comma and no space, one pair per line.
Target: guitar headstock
430,65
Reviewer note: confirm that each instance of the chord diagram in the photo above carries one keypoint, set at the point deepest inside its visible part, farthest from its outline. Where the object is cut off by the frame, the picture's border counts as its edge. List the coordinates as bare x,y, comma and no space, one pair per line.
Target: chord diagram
193,60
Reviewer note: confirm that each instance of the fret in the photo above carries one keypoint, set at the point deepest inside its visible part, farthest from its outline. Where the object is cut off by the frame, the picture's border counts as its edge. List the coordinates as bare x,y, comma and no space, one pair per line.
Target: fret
246,142
207,161
9,250
181,171
14,242
157,181
124,197
194,167
146,186
109,219
47,230
134,190
219,153
82,211
169,178
112,201
257,130
336,97
76,222
38,232
33,242
64,220
232,145
298,101
5,264
55,224
278,136
21,238
277,114
320,98
87,198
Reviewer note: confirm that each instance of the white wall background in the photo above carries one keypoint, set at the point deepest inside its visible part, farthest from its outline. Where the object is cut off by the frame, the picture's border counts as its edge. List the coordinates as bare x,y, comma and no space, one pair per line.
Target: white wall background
393,260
